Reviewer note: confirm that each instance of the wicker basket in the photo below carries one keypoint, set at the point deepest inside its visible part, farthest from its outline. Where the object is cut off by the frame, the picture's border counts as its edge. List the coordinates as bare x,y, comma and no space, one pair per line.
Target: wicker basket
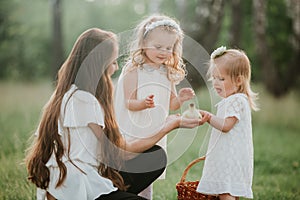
186,190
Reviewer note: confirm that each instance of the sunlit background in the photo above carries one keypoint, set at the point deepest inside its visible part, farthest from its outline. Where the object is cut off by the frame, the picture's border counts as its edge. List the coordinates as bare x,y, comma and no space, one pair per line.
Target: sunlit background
37,35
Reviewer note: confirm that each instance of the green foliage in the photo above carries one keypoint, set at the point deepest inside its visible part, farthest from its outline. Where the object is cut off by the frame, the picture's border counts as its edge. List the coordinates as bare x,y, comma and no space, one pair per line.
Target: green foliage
26,30
26,40
280,31
7,35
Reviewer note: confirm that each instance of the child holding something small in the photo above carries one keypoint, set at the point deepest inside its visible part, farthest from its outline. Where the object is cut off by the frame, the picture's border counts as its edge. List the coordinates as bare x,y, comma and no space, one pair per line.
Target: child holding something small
228,167
146,88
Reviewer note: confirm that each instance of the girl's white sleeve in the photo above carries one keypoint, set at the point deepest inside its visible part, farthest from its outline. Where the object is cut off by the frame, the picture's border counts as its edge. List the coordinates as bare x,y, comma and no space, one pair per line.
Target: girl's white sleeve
235,107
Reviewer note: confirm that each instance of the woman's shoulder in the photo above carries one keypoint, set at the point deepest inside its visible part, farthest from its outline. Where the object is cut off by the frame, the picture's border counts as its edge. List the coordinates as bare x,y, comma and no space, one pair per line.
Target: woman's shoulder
80,108
79,95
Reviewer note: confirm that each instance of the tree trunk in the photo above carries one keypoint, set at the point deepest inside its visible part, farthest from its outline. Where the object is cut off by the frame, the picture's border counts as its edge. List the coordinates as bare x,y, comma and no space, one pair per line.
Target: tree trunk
57,38
181,9
236,23
209,18
204,29
269,72
293,7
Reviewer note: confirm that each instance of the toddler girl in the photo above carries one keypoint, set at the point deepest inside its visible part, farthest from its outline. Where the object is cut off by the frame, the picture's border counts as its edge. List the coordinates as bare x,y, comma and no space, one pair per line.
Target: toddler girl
228,167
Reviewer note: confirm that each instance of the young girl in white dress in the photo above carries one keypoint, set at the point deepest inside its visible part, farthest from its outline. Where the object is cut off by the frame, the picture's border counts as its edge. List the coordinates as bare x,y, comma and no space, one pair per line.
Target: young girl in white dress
146,88
228,167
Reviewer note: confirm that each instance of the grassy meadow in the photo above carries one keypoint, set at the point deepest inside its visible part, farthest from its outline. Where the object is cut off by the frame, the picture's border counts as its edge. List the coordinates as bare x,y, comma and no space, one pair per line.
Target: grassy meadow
276,133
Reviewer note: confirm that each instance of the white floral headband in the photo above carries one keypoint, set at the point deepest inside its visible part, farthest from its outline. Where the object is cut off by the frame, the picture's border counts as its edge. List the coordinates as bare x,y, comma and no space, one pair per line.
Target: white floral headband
164,22
218,52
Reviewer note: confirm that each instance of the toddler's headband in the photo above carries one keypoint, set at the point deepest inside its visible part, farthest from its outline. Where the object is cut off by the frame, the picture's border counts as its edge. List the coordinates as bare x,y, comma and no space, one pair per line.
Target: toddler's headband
218,52
164,22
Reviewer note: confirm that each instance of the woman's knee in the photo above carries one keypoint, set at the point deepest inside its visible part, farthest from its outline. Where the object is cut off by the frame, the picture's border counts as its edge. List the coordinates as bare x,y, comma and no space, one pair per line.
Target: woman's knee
158,155
154,159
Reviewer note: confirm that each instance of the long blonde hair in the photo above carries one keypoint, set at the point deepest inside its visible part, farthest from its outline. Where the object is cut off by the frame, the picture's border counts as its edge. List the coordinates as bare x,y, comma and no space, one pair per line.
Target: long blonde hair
175,64
48,140
237,65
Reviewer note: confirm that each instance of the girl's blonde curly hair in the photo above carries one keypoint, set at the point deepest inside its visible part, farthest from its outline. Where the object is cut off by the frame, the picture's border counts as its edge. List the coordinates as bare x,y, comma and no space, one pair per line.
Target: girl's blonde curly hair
175,65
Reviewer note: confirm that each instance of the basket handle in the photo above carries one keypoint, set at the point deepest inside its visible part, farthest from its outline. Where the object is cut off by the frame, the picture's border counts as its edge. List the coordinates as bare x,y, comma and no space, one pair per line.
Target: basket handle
189,166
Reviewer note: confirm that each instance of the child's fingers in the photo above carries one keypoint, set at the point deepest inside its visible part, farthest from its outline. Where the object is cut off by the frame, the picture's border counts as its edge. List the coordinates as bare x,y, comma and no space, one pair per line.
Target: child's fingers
202,112
187,91
186,94
203,120
205,116
149,103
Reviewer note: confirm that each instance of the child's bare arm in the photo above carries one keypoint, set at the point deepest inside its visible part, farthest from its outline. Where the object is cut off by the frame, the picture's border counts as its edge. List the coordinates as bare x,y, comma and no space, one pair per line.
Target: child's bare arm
224,125
130,94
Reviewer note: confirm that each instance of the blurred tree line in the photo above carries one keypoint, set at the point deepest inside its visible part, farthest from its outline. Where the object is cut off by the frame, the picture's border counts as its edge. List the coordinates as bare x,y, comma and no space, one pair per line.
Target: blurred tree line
36,35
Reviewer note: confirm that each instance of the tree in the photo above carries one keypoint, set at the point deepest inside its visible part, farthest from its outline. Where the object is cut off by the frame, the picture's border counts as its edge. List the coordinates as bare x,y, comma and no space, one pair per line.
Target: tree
293,7
202,21
57,38
276,56
7,38
235,30
209,16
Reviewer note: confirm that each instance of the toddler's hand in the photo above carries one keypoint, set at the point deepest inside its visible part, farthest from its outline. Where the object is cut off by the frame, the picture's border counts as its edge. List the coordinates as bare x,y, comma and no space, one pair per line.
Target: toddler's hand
185,94
205,116
149,101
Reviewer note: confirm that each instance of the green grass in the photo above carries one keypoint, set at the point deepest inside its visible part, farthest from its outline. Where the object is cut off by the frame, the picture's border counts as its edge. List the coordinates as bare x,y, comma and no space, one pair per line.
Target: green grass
276,131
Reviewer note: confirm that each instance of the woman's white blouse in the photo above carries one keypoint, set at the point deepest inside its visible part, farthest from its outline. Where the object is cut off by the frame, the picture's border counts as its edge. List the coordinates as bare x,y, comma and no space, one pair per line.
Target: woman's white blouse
78,109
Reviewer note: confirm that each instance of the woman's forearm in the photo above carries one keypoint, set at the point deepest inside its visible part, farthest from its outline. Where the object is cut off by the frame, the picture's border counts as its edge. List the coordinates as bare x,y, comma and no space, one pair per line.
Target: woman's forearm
142,144
172,122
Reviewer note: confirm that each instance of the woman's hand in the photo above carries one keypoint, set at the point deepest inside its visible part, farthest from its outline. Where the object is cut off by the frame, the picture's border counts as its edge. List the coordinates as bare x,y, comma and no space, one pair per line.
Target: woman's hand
177,121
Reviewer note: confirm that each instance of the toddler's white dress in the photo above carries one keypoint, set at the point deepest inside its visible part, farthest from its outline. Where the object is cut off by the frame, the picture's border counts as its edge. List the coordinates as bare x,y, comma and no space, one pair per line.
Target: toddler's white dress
228,165
77,111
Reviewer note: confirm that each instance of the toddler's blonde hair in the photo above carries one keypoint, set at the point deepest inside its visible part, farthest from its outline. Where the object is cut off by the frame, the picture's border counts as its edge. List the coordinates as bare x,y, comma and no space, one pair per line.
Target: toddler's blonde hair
237,65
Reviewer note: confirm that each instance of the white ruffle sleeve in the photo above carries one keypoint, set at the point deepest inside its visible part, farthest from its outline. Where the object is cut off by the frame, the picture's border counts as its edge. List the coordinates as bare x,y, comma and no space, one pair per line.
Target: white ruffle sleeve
235,106
82,109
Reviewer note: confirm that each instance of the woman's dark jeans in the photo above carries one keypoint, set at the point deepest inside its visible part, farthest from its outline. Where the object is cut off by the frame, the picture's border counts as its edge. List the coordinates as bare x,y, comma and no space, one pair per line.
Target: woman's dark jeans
139,173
